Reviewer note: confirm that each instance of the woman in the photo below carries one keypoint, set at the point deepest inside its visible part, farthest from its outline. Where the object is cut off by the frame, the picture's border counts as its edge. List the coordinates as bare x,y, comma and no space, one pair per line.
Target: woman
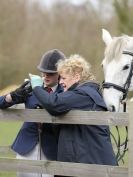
78,143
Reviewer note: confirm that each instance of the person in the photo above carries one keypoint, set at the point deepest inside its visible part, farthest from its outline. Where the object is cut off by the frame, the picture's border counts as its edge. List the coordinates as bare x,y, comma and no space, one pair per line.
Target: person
35,140
78,143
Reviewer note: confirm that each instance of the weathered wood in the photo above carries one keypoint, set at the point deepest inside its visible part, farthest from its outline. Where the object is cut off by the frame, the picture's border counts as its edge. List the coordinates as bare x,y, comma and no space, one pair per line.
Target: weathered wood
62,168
130,162
5,149
72,117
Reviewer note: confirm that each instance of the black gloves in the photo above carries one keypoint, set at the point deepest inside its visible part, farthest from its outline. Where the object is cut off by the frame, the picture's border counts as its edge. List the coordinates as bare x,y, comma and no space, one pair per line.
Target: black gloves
21,93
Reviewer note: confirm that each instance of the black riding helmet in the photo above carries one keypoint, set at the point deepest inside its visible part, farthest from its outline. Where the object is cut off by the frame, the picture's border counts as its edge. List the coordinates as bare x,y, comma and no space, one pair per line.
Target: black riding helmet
49,60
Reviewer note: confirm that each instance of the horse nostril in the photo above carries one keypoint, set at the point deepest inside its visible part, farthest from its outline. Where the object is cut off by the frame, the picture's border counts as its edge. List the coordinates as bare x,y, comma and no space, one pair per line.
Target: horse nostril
113,108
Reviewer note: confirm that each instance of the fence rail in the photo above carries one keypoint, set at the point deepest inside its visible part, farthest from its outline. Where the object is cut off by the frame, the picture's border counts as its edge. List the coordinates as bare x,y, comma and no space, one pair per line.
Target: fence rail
5,149
73,117
64,168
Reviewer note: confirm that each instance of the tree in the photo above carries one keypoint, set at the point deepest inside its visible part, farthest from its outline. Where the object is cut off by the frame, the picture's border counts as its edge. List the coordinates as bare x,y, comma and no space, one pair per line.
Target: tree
123,9
12,23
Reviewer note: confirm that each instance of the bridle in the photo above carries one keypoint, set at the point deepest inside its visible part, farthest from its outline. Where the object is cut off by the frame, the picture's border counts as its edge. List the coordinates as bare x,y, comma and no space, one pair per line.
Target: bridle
124,90
126,86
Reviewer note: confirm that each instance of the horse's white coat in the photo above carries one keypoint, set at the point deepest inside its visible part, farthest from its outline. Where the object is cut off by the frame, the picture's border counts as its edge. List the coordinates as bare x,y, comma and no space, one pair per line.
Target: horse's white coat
116,66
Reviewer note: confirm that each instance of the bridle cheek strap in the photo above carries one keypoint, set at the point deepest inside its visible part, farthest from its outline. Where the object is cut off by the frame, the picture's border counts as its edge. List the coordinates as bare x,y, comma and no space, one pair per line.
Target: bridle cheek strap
126,86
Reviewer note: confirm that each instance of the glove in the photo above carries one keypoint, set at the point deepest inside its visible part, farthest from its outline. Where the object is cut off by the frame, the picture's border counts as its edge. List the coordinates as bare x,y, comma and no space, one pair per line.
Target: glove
35,80
21,93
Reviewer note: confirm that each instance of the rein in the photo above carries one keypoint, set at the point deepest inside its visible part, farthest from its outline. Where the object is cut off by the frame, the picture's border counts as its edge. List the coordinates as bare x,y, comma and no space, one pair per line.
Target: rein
122,148
124,90
126,86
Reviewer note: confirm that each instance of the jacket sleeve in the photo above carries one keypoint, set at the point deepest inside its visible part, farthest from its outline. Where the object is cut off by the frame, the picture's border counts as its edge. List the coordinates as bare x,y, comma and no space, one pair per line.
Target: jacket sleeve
54,103
4,104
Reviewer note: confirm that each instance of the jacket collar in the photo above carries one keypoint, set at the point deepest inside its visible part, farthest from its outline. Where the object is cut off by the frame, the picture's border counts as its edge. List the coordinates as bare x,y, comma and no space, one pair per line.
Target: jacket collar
73,86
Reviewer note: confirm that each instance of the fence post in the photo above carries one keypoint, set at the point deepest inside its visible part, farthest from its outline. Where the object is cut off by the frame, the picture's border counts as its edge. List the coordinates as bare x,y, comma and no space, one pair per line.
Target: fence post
130,137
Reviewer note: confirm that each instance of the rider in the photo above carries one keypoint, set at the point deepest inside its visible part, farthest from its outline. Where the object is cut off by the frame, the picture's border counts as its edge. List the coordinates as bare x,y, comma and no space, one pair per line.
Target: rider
28,141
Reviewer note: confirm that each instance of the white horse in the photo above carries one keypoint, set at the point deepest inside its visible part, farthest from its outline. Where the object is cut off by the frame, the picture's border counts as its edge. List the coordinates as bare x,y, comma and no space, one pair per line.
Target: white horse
118,69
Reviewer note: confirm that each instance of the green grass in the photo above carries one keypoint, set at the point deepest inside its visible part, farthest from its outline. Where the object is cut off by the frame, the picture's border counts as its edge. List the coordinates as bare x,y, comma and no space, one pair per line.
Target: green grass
7,174
123,134
8,132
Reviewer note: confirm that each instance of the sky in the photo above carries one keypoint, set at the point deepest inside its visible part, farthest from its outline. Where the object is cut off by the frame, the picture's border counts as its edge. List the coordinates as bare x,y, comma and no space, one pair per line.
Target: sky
77,2
107,8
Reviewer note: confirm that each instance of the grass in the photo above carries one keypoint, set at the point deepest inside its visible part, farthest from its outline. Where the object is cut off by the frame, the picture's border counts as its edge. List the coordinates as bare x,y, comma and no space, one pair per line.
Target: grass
7,174
8,132
122,132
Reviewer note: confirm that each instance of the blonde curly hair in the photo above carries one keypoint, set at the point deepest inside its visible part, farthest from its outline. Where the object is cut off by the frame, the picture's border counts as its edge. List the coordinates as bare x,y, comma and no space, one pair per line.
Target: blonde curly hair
76,64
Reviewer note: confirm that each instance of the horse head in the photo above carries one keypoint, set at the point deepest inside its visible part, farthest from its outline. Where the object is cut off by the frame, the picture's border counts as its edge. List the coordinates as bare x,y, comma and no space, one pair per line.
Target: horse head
118,69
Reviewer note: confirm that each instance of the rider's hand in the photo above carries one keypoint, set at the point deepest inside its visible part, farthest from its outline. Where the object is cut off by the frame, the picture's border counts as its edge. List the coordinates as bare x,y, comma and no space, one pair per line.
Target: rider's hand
21,93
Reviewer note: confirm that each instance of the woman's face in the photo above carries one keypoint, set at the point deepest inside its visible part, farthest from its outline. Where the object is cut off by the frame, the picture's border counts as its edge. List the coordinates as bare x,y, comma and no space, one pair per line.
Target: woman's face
67,80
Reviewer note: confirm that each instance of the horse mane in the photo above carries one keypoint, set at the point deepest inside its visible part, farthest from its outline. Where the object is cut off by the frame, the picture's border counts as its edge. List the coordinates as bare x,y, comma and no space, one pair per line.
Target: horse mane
115,48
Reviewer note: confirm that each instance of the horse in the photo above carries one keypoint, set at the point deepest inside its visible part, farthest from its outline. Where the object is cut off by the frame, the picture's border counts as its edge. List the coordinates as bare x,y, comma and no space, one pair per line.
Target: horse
118,71
117,68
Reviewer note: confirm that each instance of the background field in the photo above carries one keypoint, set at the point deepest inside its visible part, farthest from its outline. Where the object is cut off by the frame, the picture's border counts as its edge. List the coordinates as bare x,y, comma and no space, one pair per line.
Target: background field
28,30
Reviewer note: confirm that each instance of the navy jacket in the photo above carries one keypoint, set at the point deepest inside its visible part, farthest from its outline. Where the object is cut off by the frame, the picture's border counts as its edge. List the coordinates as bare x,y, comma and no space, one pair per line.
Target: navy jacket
80,143
28,136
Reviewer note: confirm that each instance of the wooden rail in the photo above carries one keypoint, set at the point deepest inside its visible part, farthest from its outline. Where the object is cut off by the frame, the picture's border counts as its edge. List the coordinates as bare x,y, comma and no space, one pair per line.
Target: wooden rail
73,117
62,168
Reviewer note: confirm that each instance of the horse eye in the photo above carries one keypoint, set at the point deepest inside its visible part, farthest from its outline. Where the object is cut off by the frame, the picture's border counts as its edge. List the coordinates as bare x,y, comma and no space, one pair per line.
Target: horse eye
125,67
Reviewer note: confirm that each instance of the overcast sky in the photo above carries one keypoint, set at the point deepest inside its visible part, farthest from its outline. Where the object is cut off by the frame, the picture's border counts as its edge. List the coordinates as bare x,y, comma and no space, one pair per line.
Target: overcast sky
107,8
49,2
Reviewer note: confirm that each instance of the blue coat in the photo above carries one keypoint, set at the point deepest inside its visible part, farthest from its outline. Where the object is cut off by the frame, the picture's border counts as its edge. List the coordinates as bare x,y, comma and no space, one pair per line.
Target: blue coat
28,136
80,143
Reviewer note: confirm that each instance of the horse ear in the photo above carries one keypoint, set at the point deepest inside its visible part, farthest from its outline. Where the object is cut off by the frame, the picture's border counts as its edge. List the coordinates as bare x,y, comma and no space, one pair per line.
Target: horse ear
106,37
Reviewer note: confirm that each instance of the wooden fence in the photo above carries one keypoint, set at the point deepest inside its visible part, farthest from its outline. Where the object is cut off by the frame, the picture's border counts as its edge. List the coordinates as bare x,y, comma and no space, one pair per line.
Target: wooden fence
65,168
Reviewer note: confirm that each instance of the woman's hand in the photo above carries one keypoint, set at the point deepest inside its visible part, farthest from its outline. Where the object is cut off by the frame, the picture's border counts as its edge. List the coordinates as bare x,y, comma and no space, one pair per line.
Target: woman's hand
35,80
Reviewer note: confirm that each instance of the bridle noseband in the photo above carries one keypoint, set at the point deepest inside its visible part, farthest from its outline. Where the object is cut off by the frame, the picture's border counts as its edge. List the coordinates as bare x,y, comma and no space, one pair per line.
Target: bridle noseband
124,90
126,86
